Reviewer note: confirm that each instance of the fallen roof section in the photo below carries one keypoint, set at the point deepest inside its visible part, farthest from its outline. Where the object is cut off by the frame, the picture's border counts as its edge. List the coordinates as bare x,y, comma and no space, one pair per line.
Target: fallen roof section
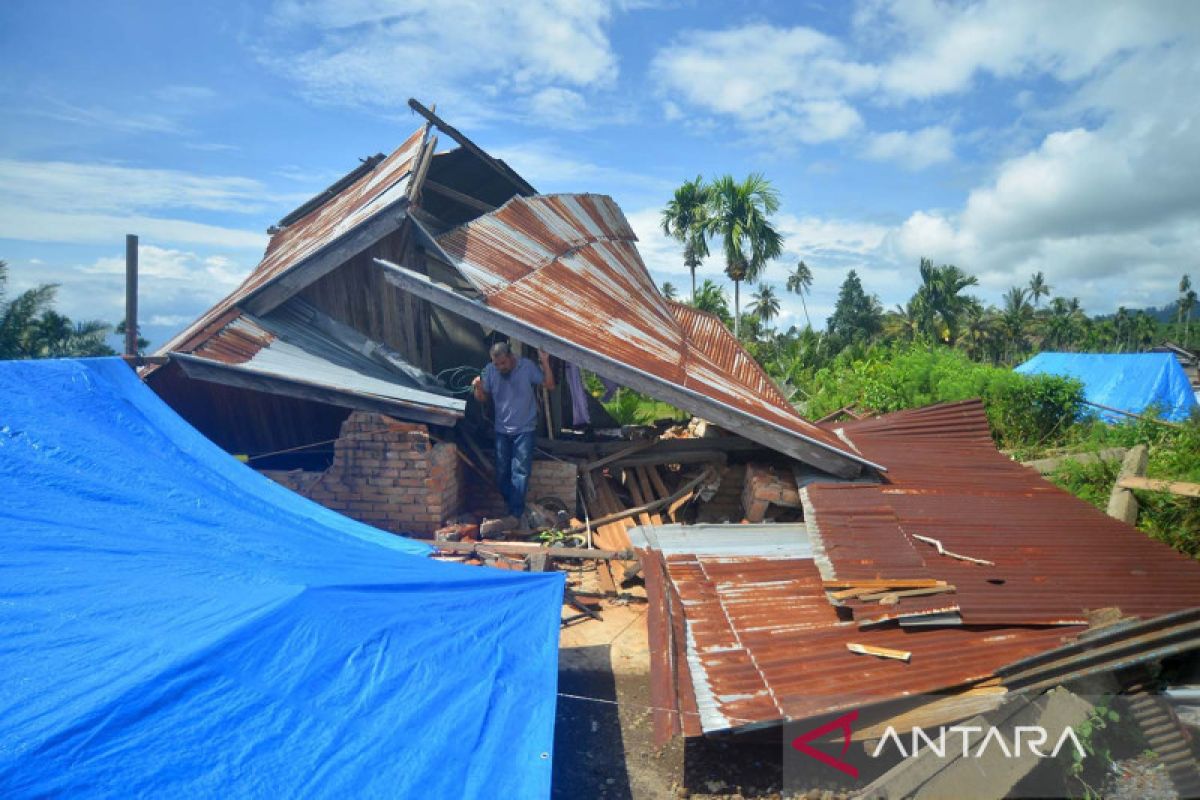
300,352
761,637
562,272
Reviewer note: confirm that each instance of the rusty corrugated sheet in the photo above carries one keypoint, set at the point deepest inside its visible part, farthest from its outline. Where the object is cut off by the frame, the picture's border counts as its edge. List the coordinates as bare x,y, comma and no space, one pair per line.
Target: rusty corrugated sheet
766,644
1056,557
383,187
568,264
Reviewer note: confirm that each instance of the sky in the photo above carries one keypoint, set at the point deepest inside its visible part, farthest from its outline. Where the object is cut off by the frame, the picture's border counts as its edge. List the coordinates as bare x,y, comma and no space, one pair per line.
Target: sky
1005,137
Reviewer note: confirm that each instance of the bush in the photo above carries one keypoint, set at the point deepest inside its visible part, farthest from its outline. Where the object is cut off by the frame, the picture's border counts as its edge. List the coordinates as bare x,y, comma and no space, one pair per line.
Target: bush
1023,410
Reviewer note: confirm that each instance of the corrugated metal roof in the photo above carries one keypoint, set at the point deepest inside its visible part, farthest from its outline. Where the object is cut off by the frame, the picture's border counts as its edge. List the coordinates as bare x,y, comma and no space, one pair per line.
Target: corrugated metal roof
765,643
568,264
1055,556
290,345
380,189
765,541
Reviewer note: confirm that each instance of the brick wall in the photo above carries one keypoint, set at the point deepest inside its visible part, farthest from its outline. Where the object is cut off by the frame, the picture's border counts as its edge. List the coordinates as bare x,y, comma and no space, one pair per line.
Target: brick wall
555,479
765,487
386,473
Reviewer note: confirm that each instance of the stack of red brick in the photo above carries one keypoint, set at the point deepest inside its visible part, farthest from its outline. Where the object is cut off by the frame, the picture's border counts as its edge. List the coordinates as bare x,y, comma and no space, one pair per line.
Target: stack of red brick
386,473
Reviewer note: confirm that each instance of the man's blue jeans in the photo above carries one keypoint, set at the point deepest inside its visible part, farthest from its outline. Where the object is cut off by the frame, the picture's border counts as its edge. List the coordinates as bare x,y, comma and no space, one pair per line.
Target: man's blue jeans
514,459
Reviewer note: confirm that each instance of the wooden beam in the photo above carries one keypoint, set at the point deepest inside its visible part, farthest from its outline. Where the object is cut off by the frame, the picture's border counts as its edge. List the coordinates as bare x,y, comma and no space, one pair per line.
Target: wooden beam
1180,488
325,260
766,433
204,369
501,168
458,197
884,583
515,548
879,652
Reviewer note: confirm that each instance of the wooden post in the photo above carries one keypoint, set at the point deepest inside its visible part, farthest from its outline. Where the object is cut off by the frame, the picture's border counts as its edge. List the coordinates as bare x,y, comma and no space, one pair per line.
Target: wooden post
131,295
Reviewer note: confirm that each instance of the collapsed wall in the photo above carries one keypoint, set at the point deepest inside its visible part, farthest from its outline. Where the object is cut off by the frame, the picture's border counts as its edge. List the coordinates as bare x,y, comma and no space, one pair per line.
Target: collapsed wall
395,476
386,473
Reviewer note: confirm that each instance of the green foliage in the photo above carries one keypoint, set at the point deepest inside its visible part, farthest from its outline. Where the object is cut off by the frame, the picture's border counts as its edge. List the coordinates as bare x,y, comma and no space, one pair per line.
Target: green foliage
631,408
1023,410
31,328
1174,455
857,316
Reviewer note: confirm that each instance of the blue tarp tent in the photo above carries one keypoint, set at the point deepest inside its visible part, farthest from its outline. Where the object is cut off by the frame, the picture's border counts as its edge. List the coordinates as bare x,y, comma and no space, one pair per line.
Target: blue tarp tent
1131,382
172,624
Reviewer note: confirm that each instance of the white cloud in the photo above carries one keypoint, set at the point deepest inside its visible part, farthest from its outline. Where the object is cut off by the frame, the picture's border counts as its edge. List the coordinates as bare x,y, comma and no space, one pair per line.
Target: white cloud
942,47
790,82
469,56
1091,207
174,286
912,149
58,201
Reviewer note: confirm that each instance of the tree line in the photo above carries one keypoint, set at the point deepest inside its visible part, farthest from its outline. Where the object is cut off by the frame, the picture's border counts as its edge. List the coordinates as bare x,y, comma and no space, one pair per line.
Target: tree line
737,216
30,327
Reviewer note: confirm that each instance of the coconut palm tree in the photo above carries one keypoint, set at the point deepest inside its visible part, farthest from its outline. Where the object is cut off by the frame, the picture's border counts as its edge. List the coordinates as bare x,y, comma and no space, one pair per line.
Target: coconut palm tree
1015,319
901,323
766,304
683,220
939,303
669,291
1038,288
800,282
739,213
31,328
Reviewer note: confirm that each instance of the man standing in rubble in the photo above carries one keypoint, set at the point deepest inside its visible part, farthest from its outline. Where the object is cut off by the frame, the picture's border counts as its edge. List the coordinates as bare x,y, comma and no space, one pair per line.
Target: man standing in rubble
509,381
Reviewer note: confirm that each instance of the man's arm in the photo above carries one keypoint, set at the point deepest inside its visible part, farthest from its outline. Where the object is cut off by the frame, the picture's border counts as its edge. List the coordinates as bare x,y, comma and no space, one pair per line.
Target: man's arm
547,373
480,393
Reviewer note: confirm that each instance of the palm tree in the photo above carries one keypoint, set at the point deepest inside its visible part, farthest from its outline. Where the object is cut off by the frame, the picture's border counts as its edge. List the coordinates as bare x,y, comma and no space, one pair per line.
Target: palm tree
901,323
669,291
683,220
1038,288
800,282
1145,330
938,302
739,214
711,298
1122,323
766,304
1189,303
978,334
31,328
1185,285
1015,319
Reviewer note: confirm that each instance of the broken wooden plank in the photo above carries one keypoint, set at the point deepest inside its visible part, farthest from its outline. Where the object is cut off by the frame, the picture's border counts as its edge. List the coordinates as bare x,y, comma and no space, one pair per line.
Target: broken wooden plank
883,583
520,549
1181,488
636,447
889,598
880,652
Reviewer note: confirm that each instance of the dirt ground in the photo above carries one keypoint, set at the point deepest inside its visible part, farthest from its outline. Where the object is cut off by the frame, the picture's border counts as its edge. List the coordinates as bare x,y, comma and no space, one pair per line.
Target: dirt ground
603,741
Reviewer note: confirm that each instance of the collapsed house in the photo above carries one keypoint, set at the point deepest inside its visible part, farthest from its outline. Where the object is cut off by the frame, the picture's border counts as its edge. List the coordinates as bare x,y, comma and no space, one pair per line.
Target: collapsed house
900,556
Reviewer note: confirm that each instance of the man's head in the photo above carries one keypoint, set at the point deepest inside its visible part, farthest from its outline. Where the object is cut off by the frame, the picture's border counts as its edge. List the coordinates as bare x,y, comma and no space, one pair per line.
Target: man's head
503,358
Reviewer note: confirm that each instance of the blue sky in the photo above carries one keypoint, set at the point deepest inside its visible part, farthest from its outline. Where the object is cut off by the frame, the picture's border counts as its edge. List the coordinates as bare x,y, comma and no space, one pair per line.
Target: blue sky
1005,137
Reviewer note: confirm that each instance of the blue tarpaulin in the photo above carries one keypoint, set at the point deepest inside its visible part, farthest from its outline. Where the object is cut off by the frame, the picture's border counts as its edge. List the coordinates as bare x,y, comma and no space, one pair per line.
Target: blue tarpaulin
1131,382
173,624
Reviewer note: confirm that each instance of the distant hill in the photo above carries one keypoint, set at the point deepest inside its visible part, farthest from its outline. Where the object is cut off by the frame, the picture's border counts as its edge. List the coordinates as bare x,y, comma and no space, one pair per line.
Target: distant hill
1168,313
